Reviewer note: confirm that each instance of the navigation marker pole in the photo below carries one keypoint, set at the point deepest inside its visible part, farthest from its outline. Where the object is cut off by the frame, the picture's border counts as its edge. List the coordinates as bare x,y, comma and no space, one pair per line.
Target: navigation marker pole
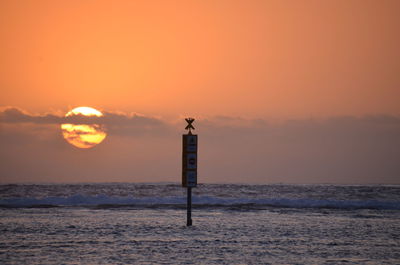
189,165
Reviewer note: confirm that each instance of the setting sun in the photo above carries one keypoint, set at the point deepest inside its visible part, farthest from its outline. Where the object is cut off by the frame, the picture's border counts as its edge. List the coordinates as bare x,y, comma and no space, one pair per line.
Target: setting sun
83,135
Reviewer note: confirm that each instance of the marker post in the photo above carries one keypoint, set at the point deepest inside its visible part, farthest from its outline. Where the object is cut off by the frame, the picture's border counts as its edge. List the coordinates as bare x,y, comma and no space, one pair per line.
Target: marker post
189,207
189,166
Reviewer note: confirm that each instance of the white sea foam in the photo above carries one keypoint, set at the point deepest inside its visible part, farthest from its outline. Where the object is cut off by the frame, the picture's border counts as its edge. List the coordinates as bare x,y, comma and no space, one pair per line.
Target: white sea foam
200,201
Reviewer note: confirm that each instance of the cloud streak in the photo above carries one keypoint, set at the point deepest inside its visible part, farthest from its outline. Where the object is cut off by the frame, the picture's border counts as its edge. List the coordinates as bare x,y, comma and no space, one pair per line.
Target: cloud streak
16,115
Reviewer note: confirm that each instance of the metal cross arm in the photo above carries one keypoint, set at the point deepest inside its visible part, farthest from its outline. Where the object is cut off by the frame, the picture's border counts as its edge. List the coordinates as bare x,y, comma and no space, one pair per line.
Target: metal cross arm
189,126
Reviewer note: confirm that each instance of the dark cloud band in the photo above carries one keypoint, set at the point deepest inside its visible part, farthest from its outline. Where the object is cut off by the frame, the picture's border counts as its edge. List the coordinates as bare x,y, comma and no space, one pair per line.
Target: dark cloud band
16,115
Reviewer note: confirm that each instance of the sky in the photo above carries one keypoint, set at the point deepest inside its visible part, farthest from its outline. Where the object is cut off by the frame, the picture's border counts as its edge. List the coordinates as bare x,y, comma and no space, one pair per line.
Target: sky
282,91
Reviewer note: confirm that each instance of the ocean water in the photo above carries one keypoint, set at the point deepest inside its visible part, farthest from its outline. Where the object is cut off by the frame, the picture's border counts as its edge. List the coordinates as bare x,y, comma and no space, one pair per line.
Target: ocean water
123,223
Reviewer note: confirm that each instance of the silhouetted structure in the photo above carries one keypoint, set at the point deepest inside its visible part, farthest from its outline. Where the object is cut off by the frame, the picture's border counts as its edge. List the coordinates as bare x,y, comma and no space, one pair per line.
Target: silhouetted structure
189,165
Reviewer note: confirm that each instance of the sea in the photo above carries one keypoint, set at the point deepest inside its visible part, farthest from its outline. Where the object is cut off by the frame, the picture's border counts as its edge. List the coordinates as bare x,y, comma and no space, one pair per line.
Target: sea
131,223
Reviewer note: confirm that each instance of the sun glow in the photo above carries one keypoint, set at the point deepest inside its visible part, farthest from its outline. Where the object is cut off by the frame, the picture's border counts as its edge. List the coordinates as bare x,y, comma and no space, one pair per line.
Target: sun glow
86,111
83,135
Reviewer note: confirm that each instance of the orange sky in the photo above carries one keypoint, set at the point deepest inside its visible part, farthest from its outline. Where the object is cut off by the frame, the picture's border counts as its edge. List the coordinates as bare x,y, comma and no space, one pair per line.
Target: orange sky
326,71
246,58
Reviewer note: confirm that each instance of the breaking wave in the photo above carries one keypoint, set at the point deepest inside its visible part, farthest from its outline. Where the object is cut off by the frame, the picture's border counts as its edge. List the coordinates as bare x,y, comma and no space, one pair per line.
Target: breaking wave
107,202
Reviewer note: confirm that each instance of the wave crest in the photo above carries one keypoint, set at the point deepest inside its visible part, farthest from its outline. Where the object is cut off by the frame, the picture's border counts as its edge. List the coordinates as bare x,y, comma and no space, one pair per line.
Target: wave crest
104,201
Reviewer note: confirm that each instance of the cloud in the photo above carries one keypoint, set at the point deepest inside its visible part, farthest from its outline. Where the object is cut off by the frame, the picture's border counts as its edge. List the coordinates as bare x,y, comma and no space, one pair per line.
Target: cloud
16,115
332,150
116,122
347,149
133,124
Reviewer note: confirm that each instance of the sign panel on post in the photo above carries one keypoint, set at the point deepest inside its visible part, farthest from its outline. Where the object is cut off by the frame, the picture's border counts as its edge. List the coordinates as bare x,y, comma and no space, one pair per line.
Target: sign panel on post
189,160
